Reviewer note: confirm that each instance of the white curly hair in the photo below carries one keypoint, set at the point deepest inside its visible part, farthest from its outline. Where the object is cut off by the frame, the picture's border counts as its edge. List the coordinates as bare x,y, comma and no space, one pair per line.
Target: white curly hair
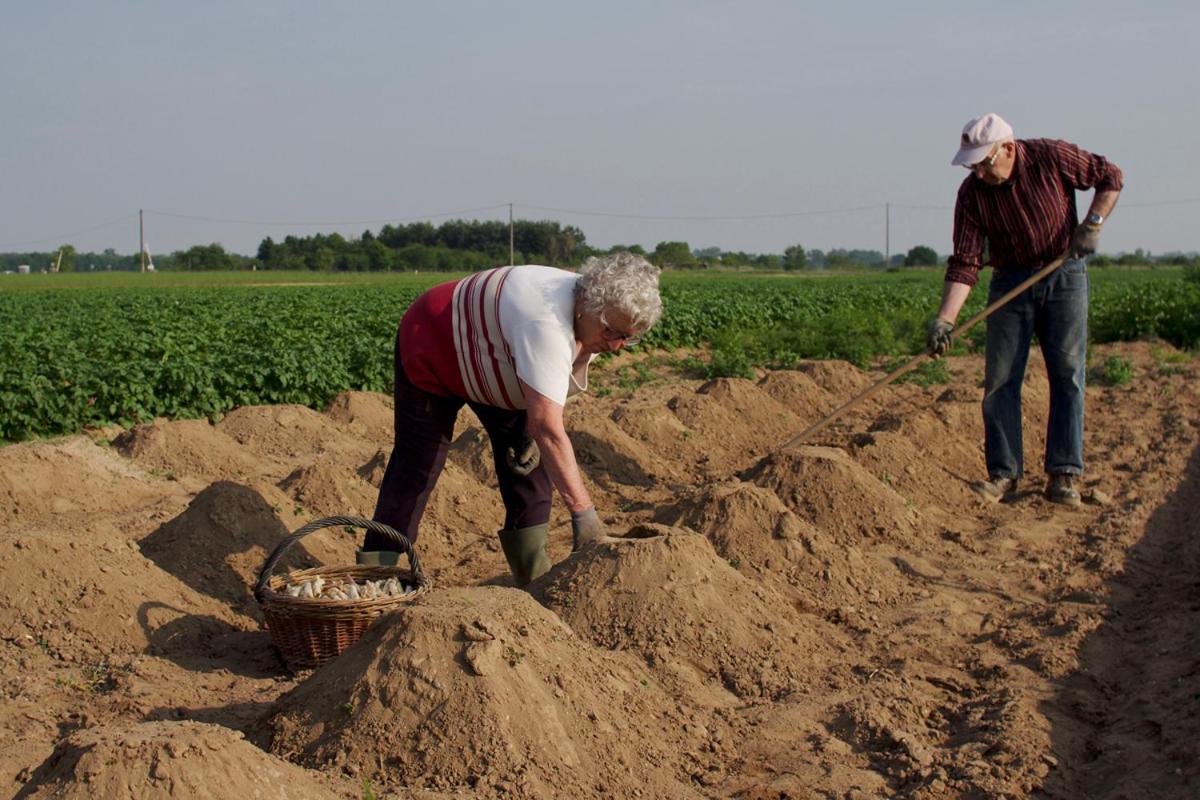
623,282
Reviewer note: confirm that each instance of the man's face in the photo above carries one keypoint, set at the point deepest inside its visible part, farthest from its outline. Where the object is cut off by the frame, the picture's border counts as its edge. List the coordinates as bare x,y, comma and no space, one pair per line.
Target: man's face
995,168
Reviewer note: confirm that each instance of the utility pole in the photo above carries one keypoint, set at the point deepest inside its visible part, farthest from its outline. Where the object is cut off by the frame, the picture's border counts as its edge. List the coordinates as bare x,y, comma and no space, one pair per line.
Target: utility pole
887,235
510,236
141,242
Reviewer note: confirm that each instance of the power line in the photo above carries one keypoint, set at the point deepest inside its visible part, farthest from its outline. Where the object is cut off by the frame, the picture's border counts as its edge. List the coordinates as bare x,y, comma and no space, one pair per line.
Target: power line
64,236
702,218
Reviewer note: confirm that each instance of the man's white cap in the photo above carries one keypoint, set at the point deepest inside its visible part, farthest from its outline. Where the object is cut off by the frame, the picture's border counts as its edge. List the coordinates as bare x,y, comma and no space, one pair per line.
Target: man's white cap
978,137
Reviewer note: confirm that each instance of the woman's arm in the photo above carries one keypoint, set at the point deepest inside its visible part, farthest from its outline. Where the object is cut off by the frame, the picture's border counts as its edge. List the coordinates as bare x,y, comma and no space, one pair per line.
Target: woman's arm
544,422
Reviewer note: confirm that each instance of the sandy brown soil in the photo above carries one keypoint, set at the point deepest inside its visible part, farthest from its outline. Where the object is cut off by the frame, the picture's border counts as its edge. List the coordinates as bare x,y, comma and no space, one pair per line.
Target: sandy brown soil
843,619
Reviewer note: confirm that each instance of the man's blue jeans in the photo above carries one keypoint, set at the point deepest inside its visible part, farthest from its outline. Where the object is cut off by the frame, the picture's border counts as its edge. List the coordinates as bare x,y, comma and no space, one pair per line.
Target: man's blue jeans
1056,310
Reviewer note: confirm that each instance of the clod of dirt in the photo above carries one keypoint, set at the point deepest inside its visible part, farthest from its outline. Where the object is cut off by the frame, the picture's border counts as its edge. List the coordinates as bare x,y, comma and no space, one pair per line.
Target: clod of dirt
482,690
182,760
826,487
663,592
749,526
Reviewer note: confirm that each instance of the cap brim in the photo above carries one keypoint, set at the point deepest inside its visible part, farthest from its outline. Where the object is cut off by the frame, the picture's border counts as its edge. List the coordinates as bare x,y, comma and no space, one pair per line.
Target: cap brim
971,155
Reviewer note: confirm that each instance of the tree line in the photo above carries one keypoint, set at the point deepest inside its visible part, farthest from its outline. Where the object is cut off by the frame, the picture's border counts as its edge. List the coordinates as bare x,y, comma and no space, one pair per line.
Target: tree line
465,245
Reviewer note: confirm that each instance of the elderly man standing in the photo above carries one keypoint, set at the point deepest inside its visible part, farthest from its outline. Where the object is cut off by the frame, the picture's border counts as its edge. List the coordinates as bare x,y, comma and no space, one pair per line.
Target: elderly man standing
1019,200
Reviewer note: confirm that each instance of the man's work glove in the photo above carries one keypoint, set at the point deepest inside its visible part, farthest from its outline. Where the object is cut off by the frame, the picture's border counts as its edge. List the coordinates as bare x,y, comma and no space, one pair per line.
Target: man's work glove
938,338
586,529
1085,241
525,457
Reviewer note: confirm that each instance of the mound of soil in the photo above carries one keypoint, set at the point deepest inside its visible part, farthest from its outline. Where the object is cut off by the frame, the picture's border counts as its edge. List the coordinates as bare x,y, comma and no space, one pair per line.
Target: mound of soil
646,418
751,528
826,487
481,691
664,593
365,414
918,455
799,393
841,379
70,476
186,760
737,419
187,448
290,434
87,594
331,487
472,451
611,456
220,542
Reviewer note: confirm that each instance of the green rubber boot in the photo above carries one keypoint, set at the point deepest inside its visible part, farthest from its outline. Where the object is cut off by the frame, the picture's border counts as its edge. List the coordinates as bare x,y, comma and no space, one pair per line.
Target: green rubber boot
377,558
525,549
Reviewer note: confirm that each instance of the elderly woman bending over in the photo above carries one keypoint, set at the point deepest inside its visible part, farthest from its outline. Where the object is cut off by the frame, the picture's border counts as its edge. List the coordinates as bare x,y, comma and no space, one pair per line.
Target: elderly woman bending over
512,343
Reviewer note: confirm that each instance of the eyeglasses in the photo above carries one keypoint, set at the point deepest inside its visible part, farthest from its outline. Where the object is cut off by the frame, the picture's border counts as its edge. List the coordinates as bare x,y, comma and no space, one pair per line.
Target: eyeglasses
987,163
611,334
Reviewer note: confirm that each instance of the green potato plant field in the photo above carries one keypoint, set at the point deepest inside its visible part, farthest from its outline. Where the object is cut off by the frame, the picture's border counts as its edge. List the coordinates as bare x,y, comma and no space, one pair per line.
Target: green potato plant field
94,350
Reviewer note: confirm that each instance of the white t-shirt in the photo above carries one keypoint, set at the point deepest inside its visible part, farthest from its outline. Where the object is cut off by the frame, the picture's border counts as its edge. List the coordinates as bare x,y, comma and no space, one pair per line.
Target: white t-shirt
515,323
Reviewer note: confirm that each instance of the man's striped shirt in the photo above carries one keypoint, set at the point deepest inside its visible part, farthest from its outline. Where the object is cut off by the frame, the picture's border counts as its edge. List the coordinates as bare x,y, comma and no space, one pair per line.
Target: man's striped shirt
1028,220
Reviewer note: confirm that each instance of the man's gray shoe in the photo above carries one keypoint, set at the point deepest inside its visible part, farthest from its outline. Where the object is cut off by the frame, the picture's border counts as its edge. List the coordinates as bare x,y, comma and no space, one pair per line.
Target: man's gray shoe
996,489
1061,489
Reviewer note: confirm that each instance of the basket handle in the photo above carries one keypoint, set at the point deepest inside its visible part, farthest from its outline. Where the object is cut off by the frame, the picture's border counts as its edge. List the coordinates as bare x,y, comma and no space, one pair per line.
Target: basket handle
374,526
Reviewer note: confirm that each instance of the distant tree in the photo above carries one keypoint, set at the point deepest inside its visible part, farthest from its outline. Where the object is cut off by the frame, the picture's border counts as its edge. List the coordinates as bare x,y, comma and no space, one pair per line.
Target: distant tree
64,258
838,258
379,257
673,254
203,257
921,256
795,258
266,251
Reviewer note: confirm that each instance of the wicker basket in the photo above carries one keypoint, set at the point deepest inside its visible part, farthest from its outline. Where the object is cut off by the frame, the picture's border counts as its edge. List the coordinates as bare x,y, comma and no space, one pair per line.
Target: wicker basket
310,631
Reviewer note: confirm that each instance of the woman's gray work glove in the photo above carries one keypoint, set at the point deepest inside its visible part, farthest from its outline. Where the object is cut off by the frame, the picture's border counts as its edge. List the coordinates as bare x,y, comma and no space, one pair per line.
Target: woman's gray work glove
586,529
525,457
938,338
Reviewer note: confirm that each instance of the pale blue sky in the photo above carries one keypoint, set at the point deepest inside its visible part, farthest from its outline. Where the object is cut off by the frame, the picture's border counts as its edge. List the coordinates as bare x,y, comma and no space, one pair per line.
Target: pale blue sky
373,111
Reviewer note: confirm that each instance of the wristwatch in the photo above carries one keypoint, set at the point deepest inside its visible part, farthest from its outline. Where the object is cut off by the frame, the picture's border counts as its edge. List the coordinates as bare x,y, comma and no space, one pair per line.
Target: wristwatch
1094,220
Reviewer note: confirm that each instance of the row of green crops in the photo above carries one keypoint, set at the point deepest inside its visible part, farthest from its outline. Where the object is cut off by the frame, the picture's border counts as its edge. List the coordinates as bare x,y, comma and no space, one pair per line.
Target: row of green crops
97,354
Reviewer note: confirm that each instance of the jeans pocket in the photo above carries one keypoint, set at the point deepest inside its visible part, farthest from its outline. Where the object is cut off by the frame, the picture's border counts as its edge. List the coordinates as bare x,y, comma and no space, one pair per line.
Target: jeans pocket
1073,276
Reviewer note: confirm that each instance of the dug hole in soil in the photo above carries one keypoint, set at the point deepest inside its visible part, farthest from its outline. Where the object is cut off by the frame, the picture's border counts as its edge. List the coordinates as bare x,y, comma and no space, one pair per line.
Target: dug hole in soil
839,619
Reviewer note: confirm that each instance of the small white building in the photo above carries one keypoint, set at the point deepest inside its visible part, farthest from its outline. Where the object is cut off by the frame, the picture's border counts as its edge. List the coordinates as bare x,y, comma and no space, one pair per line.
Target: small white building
22,269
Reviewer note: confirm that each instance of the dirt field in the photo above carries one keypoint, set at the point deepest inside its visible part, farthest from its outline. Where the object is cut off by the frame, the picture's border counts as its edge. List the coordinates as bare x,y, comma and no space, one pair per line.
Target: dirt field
841,620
